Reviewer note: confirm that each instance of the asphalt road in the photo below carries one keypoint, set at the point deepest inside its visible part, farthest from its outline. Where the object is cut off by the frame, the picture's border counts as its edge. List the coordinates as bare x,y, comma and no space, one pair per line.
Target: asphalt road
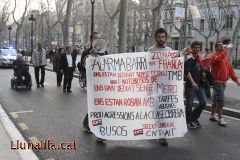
50,114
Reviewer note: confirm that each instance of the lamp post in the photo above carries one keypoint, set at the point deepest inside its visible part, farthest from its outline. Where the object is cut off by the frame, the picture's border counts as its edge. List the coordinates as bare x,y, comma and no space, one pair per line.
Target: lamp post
31,18
9,38
92,23
238,37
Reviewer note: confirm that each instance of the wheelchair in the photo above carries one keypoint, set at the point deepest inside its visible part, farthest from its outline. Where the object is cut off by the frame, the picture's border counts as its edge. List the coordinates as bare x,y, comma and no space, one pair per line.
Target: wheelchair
17,82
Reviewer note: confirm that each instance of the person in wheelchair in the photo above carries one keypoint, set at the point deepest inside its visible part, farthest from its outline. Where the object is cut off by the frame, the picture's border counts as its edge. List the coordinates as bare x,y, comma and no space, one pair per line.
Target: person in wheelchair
21,69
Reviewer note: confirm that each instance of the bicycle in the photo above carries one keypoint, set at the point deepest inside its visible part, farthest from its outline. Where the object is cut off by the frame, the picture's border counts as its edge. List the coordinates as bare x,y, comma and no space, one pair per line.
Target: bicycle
82,79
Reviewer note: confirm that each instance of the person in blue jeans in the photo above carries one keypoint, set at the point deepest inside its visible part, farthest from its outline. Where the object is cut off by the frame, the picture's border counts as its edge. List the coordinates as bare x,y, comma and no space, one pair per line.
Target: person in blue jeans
194,86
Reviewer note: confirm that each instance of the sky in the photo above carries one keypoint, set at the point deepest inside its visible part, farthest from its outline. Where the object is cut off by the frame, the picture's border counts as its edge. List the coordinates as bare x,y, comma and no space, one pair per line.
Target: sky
34,5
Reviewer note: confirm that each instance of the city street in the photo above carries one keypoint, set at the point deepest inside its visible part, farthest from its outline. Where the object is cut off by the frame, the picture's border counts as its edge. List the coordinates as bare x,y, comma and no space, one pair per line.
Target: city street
50,114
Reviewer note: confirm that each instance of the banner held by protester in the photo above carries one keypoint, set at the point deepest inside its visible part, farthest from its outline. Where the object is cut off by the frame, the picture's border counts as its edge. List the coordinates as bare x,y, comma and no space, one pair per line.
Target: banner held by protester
134,96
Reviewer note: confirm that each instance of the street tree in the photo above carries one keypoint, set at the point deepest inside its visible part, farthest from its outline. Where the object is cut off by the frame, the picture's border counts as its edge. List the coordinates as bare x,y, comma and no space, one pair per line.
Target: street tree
214,13
155,12
19,23
50,20
66,23
122,26
112,18
4,16
236,31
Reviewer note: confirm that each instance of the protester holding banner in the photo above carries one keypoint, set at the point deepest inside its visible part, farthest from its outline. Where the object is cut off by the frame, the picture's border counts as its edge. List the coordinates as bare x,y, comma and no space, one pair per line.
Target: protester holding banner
194,86
93,36
160,38
220,64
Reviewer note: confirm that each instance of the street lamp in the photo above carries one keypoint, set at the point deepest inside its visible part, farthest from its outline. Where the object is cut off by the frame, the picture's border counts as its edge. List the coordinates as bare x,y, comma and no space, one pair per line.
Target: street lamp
31,18
9,38
92,24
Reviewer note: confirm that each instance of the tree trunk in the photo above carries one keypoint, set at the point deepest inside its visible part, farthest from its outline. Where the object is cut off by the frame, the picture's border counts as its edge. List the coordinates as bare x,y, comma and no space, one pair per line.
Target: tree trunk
111,35
218,35
155,12
49,38
66,23
234,40
206,42
123,26
17,38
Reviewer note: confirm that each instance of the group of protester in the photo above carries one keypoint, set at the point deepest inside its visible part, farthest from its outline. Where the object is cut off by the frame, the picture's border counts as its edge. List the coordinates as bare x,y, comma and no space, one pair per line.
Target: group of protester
200,74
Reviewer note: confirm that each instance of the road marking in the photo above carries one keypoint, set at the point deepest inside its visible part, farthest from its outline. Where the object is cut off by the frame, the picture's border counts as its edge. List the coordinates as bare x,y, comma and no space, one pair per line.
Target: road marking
15,135
15,114
50,159
23,126
34,140
47,84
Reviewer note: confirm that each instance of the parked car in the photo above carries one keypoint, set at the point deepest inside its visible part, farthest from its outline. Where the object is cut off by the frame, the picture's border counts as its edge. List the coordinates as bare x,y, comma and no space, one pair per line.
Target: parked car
7,56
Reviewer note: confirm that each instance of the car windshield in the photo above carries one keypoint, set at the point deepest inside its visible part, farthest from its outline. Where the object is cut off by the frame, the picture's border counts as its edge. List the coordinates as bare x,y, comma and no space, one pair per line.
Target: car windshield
9,52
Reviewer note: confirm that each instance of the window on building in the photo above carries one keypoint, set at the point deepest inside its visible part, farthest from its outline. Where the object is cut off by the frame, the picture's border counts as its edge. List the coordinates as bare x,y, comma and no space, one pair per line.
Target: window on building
229,21
189,29
211,46
213,23
202,25
166,15
170,29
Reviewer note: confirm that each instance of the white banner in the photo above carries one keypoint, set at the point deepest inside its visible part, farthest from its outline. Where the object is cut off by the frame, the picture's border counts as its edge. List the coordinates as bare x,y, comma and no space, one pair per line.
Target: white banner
135,96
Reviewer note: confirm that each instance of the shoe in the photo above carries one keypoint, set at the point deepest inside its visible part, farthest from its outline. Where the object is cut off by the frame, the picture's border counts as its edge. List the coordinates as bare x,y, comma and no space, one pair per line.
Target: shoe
58,84
191,125
100,140
213,118
163,141
38,86
42,85
221,122
197,124
69,91
64,90
86,129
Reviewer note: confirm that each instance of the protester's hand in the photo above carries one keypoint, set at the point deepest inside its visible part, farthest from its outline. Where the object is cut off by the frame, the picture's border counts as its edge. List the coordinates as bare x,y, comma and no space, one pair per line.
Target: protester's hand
195,86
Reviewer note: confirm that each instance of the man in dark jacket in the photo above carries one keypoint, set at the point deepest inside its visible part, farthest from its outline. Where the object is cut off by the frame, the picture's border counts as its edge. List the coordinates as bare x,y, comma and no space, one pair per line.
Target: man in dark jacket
93,36
56,65
194,86
67,67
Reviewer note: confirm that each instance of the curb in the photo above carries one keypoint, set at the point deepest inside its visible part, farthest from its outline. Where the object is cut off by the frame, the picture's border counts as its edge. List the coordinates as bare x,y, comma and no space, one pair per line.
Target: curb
226,111
14,134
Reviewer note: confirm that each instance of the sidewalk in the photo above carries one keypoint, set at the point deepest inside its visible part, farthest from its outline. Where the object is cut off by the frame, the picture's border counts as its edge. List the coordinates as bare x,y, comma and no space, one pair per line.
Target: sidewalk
5,146
9,133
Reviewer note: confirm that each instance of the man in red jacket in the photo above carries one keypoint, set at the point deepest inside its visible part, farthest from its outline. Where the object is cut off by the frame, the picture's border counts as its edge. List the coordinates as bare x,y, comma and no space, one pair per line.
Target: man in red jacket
221,69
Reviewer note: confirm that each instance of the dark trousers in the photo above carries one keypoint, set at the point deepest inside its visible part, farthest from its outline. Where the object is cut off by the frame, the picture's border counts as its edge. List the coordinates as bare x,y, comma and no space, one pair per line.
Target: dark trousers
68,76
36,70
193,115
26,75
59,77
85,121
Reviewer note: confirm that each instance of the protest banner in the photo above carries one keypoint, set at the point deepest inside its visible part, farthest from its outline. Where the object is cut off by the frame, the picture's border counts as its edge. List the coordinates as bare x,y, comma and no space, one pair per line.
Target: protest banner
134,96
